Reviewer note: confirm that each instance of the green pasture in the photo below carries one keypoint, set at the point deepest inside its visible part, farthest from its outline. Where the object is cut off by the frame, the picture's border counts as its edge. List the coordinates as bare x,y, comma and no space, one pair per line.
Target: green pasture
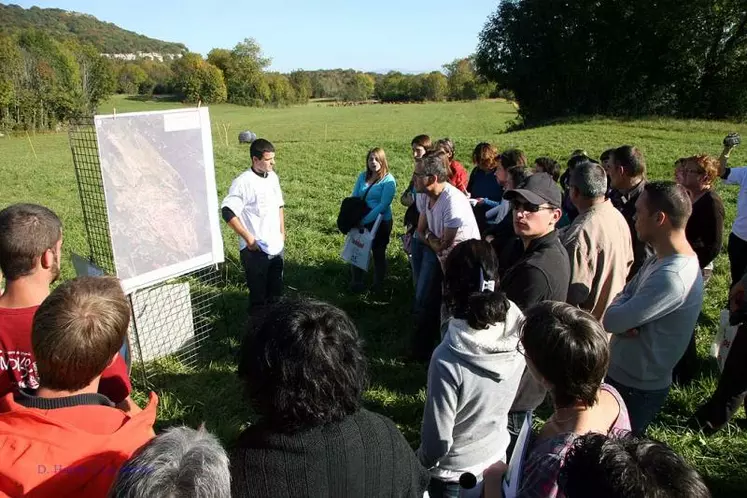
320,150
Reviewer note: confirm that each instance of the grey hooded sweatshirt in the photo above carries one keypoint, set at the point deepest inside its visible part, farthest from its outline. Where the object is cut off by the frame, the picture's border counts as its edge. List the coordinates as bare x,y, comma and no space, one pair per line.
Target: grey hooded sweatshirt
472,381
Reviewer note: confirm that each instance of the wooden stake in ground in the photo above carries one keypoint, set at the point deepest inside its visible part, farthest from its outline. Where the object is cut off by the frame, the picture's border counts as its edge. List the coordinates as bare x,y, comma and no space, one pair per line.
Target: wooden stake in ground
32,145
225,131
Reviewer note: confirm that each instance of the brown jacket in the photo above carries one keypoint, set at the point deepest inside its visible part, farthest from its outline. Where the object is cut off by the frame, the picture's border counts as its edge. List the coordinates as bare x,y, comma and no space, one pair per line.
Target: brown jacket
601,253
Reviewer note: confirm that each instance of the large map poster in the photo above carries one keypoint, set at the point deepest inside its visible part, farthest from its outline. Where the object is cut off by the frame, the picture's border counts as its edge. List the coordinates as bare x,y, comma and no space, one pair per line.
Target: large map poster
161,198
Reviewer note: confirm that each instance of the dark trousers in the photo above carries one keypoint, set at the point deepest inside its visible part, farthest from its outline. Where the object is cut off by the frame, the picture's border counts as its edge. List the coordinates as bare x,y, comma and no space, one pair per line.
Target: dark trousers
737,257
686,369
731,390
378,251
264,277
442,489
427,309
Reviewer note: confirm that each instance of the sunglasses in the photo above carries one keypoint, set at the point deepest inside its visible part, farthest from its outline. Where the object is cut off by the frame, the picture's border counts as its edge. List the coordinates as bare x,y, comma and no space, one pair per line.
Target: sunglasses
528,207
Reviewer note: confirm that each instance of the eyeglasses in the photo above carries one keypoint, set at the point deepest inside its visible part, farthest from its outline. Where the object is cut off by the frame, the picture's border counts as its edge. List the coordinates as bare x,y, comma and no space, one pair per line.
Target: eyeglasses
528,207
689,171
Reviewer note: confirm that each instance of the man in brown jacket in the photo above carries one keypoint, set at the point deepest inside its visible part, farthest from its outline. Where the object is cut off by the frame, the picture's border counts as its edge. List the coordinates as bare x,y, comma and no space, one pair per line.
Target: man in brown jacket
598,242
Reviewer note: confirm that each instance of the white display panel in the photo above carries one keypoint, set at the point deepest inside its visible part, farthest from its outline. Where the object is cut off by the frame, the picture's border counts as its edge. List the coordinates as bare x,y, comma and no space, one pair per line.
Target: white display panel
161,199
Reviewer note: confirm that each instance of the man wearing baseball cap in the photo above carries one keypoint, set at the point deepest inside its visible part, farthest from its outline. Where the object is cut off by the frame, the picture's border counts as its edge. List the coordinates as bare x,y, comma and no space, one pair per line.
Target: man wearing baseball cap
537,269
537,264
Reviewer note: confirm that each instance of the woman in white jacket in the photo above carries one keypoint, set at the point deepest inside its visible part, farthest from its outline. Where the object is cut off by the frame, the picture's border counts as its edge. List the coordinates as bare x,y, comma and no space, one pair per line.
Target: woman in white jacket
474,373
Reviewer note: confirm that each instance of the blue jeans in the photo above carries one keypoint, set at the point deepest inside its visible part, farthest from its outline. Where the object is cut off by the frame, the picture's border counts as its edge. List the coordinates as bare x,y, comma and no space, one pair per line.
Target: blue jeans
427,269
427,307
643,406
416,258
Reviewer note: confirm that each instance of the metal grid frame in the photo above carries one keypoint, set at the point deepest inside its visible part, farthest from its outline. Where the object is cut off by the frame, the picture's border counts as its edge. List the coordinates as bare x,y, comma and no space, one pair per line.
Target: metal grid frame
170,320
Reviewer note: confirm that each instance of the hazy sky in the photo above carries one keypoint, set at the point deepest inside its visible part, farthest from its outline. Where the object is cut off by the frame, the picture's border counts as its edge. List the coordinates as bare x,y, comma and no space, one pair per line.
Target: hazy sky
298,34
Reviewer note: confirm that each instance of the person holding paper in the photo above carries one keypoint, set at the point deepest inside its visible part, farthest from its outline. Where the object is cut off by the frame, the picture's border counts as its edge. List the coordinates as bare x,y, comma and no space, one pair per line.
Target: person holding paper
566,350
378,186
253,209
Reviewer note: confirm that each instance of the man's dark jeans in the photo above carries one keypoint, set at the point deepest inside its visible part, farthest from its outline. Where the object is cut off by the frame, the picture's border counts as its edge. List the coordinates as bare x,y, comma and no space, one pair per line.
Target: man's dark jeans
264,277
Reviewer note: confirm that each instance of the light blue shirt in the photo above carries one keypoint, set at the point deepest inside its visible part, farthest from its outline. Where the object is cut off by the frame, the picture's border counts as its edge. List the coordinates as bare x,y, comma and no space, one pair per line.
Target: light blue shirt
379,198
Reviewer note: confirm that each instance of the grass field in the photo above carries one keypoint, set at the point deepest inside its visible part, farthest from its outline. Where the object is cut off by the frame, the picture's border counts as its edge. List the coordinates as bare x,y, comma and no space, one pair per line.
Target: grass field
320,150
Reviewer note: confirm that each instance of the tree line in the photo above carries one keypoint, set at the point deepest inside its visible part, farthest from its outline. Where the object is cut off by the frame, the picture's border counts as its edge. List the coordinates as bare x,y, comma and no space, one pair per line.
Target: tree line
45,81
619,57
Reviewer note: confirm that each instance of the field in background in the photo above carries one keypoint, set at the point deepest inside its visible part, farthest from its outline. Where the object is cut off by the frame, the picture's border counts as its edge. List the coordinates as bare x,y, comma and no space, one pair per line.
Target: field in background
320,150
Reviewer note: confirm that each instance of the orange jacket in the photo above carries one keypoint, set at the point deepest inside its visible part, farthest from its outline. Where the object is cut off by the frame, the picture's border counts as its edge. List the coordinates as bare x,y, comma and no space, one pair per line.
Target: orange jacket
73,451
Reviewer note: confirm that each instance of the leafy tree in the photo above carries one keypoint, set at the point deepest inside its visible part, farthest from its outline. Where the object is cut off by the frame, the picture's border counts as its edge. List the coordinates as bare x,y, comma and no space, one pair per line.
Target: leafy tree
619,57
197,80
301,85
130,77
359,86
434,86
244,76
281,90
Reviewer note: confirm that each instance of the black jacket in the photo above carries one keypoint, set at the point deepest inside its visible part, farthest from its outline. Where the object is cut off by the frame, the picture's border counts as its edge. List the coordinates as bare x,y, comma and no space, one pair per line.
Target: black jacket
541,272
625,203
362,456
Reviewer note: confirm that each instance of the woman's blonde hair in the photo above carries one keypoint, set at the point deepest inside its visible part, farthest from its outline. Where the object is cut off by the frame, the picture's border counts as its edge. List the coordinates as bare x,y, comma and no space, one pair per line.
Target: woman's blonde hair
707,165
380,156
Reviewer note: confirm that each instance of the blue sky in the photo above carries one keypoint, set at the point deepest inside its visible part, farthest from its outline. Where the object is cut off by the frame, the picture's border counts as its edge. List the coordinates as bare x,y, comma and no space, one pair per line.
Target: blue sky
298,34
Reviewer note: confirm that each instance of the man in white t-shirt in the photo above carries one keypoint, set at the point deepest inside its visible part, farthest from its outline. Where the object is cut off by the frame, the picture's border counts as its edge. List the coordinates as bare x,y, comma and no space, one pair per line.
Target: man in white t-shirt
446,219
253,208
738,238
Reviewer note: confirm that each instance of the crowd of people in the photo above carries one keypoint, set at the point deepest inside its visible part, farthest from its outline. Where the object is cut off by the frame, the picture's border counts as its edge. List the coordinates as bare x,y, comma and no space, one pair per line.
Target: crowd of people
582,289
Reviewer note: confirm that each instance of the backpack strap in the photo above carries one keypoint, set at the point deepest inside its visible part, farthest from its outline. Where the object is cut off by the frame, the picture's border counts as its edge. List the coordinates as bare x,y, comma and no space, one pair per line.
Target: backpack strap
369,188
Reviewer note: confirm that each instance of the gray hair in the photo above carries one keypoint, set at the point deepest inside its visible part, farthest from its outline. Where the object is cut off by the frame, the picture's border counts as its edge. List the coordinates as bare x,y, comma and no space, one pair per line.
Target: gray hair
590,179
180,463
436,163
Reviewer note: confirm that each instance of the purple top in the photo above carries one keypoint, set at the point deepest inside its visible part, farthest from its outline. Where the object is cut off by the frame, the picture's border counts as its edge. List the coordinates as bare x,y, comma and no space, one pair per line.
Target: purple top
539,478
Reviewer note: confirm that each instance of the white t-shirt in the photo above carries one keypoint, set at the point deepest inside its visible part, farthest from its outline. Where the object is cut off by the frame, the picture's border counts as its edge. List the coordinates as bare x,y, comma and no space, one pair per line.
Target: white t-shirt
257,201
451,210
738,176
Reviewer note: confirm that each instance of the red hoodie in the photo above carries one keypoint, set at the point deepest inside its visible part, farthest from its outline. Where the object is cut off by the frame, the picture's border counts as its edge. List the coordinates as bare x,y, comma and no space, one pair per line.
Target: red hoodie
71,451
458,176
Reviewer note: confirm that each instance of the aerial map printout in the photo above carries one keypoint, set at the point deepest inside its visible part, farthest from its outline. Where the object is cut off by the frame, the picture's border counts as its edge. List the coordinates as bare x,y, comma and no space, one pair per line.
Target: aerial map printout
161,199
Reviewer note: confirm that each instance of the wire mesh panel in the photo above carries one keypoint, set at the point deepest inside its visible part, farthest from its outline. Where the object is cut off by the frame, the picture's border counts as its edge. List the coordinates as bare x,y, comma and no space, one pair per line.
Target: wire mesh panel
170,320
85,152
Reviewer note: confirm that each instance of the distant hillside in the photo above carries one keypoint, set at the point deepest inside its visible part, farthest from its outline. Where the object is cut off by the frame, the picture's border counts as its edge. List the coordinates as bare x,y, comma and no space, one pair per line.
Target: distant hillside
107,37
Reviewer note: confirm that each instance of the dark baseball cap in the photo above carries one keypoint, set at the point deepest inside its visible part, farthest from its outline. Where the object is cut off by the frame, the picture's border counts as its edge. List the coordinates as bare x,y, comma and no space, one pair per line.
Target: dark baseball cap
538,189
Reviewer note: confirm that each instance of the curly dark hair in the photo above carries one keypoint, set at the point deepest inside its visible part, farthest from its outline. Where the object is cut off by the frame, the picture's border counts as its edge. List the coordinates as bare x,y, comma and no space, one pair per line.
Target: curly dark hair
569,348
303,366
462,292
627,467
548,165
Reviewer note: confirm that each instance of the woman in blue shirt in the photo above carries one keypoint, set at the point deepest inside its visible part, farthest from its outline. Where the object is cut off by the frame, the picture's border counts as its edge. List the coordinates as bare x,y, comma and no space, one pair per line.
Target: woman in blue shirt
379,201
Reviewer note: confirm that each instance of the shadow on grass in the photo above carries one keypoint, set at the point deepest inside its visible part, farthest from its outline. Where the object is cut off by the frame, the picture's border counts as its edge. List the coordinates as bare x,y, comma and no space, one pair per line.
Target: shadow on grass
153,98
211,391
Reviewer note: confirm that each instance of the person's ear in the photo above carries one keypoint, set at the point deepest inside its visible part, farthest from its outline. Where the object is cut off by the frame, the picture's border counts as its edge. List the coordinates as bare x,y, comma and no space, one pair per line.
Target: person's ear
660,218
48,259
556,215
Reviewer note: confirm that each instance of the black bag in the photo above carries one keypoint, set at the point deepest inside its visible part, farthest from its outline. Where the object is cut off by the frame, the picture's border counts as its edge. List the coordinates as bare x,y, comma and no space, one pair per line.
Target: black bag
352,211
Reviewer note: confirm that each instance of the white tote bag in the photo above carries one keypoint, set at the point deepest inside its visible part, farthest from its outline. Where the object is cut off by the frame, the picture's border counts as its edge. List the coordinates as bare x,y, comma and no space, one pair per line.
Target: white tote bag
724,337
357,248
